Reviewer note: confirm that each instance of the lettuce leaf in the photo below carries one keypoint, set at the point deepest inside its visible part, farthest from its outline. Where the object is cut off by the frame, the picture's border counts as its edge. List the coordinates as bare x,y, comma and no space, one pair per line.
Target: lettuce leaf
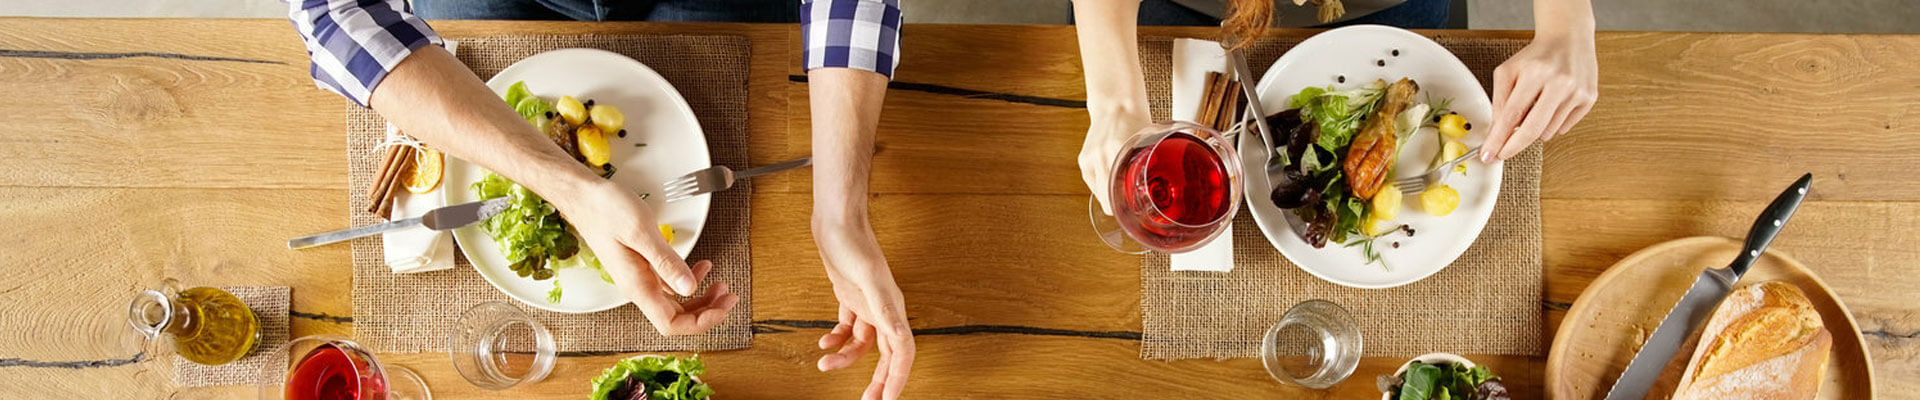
517,92
665,378
530,231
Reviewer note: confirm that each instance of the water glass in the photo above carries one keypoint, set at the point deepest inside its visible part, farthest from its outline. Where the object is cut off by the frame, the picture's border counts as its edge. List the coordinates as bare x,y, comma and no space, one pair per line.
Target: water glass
496,346
1315,345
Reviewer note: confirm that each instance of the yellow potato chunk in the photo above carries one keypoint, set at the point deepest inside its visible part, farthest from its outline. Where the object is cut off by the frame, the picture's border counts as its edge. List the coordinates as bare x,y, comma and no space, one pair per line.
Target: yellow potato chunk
592,144
571,110
666,231
609,119
1454,149
1376,226
1453,125
1440,200
1386,204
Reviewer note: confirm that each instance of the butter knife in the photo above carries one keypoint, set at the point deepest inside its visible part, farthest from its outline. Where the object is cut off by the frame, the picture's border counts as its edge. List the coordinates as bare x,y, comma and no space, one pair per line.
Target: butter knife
439,219
1708,289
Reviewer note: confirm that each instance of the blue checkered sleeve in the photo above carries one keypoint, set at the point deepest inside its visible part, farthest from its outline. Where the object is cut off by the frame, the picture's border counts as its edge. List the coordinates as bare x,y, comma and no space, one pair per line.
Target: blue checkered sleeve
859,34
355,43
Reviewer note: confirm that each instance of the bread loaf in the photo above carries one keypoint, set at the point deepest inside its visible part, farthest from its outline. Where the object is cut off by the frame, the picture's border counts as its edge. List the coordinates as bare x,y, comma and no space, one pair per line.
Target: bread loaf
1765,341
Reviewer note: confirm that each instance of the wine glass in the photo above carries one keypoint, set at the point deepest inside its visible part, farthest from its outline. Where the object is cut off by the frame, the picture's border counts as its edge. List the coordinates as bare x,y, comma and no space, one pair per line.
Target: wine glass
332,367
1175,187
1316,344
497,346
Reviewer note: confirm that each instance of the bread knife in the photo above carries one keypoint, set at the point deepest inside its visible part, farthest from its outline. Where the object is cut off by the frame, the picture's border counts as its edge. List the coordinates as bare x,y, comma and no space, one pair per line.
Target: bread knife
1708,289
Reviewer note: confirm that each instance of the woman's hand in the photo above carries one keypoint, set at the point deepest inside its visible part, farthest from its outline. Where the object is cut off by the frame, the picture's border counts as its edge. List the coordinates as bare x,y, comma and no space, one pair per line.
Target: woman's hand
1106,134
1548,86
623,233
873,314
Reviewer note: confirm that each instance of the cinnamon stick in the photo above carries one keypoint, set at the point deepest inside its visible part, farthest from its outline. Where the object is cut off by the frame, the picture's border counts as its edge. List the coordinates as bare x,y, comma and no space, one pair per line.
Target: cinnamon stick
384,175
384,202
1229,106
1209,101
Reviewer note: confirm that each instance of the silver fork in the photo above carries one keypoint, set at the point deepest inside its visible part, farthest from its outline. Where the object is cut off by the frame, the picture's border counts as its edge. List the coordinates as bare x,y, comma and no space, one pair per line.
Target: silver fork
719,177
1437,175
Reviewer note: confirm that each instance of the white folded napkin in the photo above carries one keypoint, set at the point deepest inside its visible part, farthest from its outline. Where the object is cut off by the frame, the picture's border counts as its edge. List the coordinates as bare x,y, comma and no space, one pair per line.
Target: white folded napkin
417,249
1192,60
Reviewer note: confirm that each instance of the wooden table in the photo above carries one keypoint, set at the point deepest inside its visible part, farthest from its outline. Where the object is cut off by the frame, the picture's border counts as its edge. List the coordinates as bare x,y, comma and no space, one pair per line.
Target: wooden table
140,149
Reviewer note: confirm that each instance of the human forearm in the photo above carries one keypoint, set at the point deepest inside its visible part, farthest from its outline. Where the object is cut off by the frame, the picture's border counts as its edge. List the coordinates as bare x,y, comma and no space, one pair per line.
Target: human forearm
846,112
435,98
1557,19
1110,57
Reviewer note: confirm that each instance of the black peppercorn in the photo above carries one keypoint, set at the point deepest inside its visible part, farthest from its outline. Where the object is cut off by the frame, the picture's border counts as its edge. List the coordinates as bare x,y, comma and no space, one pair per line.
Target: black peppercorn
1341,79
1396,53
1469,126
1382,63
623,133
1396,244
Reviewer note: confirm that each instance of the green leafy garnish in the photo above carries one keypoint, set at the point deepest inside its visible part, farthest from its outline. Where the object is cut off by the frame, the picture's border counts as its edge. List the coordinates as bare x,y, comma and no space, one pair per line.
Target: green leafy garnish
553,296
518,91
531,234
1448,381
1420,381
661,378
529,106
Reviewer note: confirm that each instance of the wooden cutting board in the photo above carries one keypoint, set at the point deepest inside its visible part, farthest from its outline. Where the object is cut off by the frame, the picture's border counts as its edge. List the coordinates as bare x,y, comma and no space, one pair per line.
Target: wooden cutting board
1615,314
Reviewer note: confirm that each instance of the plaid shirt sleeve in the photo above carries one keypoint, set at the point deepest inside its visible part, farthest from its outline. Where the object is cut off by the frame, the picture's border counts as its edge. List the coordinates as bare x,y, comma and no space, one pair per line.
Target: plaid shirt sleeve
859,34
355,43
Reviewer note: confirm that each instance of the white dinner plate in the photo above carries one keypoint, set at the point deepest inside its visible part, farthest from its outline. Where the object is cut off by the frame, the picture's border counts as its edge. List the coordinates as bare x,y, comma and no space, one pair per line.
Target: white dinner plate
656,116
1355,53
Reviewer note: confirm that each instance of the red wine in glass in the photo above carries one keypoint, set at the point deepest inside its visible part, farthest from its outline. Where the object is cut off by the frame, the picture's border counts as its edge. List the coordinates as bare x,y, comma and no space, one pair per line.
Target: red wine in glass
1173,194
332,373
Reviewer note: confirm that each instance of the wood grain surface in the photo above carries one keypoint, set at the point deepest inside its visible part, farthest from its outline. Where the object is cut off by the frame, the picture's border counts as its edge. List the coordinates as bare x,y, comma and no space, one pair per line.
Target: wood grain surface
137,149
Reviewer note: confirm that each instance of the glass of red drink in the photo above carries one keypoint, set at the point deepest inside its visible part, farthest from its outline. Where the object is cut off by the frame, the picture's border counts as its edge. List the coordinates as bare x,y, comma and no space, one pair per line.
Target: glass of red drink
1175,187
322,367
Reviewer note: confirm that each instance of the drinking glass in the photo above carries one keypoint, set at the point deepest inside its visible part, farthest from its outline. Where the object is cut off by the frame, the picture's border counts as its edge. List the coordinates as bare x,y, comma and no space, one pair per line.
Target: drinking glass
1315,345
1174,187
332,367
497,346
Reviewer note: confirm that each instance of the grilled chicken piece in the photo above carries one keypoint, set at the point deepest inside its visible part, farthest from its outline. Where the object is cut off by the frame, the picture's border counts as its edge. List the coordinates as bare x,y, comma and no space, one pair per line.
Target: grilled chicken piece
1370,157
561,133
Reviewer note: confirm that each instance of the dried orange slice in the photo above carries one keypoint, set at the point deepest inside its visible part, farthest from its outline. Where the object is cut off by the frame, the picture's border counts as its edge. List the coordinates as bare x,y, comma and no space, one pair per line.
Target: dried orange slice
427,169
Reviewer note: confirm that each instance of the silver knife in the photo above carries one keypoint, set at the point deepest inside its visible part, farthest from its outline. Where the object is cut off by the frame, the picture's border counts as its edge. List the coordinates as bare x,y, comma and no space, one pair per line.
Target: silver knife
1708,289
438,219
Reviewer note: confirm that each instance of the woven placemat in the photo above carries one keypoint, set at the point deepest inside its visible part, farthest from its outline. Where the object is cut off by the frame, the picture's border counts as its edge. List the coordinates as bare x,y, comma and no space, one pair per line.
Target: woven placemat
269,304
1486,302
416,312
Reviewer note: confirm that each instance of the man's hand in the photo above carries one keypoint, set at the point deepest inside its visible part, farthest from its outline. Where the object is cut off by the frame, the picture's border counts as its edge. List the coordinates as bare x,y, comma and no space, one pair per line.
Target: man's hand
873,314
435,98
623,233
1547,87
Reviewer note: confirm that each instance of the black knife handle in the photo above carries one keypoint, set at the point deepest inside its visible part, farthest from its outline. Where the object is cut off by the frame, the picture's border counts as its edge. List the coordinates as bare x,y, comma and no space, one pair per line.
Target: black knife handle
1770,222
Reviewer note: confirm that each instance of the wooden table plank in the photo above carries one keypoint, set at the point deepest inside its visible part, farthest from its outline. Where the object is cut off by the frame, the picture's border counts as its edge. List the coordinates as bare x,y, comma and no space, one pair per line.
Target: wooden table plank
127,169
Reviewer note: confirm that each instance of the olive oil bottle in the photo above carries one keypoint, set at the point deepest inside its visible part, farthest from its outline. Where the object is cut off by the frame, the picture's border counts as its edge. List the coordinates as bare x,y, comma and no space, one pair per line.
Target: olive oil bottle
204,325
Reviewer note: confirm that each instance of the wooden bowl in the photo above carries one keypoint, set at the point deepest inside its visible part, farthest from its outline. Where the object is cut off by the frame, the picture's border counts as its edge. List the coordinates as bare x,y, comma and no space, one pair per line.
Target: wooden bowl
1615,314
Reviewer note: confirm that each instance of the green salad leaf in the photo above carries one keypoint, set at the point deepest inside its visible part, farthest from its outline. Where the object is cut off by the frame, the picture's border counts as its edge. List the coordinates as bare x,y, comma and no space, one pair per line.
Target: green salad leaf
531,234
516,92
1447,381
1420,380
663,378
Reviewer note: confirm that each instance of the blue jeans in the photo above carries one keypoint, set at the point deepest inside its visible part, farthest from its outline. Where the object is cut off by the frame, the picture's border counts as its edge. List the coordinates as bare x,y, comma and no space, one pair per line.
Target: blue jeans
784,11
1412,14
